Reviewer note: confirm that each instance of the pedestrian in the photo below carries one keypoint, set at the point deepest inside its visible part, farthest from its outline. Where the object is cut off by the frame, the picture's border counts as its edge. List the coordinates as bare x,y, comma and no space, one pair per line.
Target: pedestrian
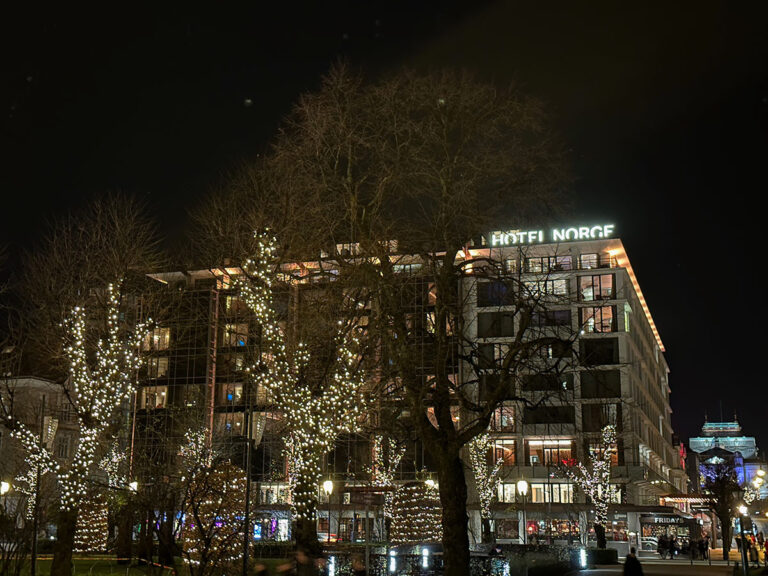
674,547
706,546
753,557
632,565
661,547
703,548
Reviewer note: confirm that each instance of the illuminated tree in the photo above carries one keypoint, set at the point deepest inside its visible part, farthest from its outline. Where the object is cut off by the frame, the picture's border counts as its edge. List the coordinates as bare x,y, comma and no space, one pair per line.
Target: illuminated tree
213,513
320,395
487,477
102,368
594,480
416,514
387,454
92,525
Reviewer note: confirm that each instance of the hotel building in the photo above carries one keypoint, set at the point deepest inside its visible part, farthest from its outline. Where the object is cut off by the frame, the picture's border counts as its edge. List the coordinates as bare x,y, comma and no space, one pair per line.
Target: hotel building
617,375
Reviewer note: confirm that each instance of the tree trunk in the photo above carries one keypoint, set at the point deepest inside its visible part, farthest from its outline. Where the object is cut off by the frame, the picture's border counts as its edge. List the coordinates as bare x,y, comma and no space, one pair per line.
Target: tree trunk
166,547
487,534
453,498
145,537
600,536
65,543
123,541
725,532
305,534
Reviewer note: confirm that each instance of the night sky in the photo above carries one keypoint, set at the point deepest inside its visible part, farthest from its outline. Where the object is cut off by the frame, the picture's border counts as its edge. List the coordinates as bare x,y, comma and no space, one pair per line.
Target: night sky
664,107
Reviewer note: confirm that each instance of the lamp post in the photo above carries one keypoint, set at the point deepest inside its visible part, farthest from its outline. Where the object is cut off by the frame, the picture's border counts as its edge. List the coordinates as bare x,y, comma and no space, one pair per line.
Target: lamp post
5,487
742,515
522,489
328,489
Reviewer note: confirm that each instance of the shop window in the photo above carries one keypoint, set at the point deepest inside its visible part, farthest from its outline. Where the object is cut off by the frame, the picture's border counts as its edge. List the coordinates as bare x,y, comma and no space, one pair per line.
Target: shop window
507,528
157,339
236,334
597,287
601,384
153,397
504,450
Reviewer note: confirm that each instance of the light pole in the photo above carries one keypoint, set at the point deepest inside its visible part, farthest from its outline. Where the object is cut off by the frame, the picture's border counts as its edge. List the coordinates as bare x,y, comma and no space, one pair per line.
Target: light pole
328,489
5,487
742,515
522,489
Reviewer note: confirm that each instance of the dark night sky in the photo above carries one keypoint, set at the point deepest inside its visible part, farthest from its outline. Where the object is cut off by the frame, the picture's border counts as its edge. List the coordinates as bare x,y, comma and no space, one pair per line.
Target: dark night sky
665,108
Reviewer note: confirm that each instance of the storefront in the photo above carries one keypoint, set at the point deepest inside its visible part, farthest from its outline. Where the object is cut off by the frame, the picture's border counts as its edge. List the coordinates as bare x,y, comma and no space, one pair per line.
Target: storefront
653,526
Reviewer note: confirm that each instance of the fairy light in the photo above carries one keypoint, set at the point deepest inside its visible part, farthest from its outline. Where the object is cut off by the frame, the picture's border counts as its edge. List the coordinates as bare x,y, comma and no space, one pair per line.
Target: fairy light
594,480
417,514
487,477
314,418
387,454
101,375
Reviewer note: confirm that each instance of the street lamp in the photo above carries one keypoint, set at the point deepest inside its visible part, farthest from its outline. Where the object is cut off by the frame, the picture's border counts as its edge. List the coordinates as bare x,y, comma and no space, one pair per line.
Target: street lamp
522,489
5,487
743,512
328,489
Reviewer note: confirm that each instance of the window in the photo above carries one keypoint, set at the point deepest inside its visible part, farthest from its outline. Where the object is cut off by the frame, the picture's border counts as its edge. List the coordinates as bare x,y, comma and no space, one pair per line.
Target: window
549,452
157,339
236,334
153,397
551,318
597,287
235,305
598,320
594,417
601,384
547,382
495,325
494,293
549,415
548,264
558,349
62,446
233,393
490,356
558,493
504,449
601,351
557,287
588,261
506,493
157,367
510,265
596,451
503,418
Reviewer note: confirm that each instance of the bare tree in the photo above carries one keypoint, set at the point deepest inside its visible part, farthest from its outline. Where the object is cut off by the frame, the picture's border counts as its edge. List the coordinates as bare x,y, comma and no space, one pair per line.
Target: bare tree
721,487
429,162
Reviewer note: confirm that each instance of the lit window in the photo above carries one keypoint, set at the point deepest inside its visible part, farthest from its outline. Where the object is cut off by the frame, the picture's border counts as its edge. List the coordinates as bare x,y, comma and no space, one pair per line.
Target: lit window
157,367
599,320
597,287
236,334
549,452
503,419
153,397
504,449
157,339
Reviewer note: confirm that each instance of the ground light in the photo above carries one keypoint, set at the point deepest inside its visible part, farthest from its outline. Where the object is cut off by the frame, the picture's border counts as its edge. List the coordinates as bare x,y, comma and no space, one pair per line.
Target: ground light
582,558
425,558
392,561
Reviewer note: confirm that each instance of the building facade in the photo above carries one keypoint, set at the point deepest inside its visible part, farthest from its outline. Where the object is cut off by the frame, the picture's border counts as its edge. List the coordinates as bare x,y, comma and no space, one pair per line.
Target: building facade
616,375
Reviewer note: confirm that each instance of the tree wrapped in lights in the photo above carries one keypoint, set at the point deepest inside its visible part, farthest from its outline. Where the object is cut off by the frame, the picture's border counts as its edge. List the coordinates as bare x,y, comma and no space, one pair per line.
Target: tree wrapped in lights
213,519
102,369
387,454
320,395
417,514
92,525
594,480
487,477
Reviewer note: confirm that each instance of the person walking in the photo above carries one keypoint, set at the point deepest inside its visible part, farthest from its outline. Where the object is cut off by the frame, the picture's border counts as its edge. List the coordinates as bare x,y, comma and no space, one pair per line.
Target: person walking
661,547
632,565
